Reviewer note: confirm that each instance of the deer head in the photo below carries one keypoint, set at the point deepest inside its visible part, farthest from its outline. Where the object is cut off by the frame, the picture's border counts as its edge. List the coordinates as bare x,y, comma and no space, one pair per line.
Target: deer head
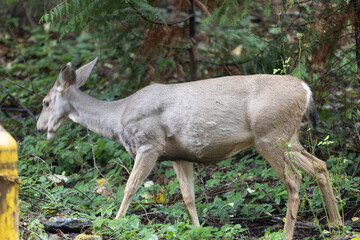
56,105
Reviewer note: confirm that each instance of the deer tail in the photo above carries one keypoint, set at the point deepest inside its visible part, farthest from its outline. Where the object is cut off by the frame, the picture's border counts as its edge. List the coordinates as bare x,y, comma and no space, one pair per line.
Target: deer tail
311,112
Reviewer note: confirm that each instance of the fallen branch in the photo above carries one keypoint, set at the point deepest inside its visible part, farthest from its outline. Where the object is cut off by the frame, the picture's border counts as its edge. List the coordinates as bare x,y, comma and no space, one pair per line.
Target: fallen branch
297,223
19,103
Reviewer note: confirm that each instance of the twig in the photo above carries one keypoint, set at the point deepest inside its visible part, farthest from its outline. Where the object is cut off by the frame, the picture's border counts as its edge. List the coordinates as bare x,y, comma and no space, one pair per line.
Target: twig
358,163
23,58
72,208
146,213
123,166
33,233
157,203
12,109
215,192
19,103
272,200
297,223
35,198
93,153
234,63
47,165
202,7
40,96
61,234
228,70
28,14
160,23
42,160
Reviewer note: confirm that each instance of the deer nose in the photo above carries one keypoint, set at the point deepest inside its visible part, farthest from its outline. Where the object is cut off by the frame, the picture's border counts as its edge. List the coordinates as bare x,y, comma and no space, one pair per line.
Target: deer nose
39,130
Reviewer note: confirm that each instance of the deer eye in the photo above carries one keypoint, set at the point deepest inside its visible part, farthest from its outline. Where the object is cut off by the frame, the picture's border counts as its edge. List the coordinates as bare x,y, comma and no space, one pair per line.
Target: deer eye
46,103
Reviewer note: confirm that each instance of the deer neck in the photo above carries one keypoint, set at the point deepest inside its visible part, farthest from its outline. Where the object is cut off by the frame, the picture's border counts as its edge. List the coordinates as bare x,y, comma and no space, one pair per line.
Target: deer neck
101,117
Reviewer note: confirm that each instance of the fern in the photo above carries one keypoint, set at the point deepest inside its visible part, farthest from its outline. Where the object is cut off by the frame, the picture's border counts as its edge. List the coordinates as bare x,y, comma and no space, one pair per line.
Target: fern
147,11
55,12
77,15
229,12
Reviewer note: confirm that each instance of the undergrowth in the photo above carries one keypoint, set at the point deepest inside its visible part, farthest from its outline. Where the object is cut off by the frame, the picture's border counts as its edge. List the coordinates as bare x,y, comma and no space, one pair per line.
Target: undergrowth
81,174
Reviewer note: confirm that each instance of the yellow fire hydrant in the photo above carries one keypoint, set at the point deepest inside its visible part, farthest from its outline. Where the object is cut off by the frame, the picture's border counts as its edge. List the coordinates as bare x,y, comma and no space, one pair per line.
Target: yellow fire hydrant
9,187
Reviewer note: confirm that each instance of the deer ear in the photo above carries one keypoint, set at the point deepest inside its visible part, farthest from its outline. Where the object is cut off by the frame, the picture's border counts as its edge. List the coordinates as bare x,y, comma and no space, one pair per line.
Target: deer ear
83,73
67,76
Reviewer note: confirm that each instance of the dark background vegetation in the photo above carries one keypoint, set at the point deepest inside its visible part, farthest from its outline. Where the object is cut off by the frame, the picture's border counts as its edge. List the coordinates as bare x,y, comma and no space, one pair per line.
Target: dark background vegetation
141,42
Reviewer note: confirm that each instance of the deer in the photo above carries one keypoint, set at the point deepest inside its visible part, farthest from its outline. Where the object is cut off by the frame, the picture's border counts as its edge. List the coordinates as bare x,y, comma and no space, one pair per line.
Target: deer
204,121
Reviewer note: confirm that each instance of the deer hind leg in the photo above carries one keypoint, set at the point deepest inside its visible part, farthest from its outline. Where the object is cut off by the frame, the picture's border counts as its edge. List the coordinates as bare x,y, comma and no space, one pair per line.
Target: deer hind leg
185,173
317,169
276,155
144,163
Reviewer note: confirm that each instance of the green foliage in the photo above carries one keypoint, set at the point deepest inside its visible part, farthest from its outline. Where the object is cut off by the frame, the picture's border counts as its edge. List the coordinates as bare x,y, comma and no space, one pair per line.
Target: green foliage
225,12
285,66
130,227
274,235
81,14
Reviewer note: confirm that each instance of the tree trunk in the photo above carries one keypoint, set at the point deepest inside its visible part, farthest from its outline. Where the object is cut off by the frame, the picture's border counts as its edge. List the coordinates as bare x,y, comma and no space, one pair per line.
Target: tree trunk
192,49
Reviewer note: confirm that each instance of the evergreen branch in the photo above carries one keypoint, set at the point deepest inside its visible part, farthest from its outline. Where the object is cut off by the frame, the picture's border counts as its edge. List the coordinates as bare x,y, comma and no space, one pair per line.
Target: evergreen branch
160,23
51,12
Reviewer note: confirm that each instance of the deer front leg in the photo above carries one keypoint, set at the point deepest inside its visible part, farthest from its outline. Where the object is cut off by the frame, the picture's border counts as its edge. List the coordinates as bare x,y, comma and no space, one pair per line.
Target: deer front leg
144,163
185,173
